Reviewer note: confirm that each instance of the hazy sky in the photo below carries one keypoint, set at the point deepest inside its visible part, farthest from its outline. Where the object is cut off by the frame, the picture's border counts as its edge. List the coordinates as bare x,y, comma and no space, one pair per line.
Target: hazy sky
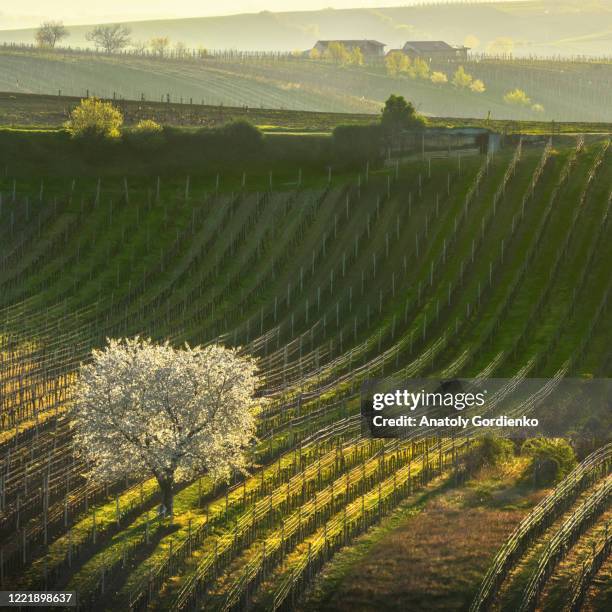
28,13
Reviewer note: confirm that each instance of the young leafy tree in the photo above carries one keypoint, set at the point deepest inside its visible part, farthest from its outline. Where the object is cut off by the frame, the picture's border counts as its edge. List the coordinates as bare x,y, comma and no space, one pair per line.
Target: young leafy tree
111,38
398,114
151,410
461,79
50,33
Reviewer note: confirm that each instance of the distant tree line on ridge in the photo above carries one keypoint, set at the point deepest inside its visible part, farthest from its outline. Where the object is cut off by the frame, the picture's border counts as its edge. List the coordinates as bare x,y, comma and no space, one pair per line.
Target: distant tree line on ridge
114,38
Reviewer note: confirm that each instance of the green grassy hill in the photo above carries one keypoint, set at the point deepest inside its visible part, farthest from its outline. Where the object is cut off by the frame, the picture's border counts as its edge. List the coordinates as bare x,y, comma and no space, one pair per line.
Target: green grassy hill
563,91
541,27
474,266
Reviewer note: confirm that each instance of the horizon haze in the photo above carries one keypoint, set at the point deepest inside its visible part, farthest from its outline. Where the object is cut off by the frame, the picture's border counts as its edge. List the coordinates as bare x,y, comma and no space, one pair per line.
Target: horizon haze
543,28
29,13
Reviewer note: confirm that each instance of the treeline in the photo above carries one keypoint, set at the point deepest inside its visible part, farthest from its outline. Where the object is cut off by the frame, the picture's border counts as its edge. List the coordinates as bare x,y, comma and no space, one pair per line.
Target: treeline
167,48
150,149
233,148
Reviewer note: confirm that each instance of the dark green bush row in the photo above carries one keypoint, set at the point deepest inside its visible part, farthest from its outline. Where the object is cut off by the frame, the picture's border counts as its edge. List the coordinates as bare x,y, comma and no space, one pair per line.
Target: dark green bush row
234,147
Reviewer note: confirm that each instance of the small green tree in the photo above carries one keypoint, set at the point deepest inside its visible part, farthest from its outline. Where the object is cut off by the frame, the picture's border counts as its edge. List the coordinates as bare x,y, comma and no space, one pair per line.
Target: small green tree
94,118
517,97
399,114
461,79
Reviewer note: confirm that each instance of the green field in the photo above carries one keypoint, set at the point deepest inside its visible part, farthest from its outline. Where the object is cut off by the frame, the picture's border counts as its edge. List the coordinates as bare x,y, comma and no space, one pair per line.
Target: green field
27,112
560,90
480,265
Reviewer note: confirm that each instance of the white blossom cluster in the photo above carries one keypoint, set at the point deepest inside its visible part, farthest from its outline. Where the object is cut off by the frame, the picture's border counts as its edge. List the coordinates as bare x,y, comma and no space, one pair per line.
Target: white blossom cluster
147,409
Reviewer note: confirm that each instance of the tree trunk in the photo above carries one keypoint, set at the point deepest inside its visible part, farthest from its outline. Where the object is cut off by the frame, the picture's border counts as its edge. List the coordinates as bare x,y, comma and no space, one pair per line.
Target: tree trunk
166,485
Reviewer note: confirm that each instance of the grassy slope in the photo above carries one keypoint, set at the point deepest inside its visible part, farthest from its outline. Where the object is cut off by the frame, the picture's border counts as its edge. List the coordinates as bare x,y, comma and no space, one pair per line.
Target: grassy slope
429,555
567,91
112,241
40,113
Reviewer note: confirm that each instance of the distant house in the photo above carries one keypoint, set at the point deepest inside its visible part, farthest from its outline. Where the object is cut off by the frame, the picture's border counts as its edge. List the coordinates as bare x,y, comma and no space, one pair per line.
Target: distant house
432,50
369,48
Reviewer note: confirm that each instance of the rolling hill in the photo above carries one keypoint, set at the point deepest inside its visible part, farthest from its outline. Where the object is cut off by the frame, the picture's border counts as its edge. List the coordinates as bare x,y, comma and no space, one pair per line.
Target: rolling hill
534,27
556,90
474,266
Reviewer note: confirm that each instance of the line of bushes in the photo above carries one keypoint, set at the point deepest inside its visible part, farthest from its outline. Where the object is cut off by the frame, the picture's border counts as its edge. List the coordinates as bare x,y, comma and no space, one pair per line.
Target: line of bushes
94,142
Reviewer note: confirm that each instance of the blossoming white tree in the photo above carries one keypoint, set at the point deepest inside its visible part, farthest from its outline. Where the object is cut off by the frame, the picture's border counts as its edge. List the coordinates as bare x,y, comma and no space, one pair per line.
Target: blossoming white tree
146,409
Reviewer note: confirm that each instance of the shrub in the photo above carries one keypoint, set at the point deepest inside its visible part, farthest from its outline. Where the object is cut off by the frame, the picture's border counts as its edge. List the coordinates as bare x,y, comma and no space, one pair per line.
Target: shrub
237,140
439,78
551,459
94,118
147,134
148,126
240,136
492,451
478,86
461,79
354,144
496,450
517,97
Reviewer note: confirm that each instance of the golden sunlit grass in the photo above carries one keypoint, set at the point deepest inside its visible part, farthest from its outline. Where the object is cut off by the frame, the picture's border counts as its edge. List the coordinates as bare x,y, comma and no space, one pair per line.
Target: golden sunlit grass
431,552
